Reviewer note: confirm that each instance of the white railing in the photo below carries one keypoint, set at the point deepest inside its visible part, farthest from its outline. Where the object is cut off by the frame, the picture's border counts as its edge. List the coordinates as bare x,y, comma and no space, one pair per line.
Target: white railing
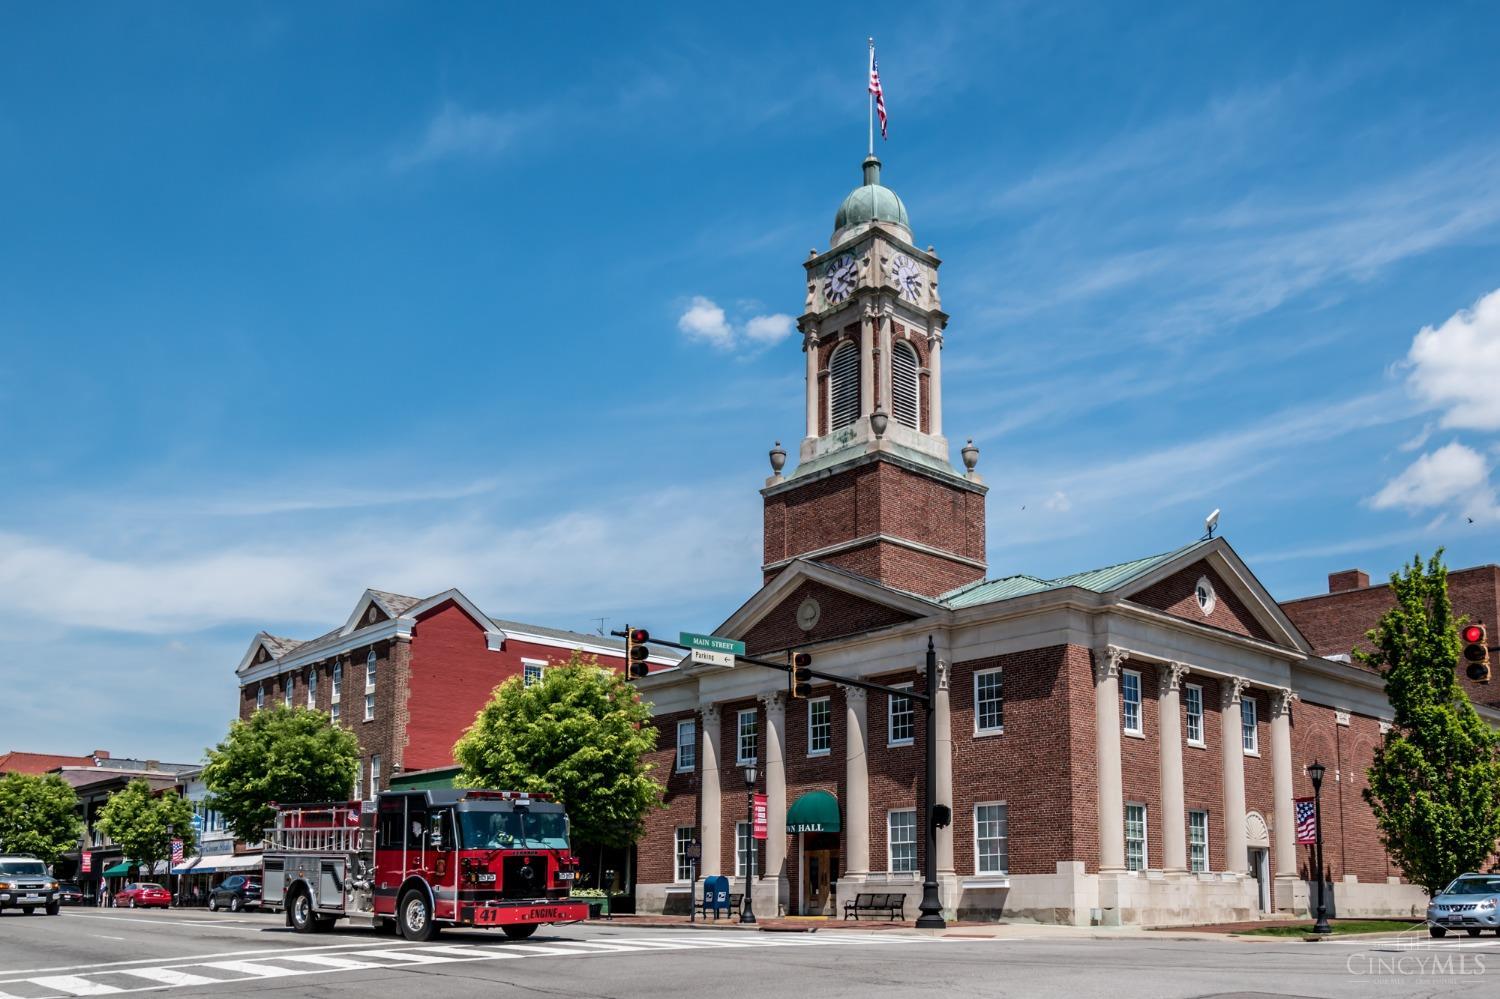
345,839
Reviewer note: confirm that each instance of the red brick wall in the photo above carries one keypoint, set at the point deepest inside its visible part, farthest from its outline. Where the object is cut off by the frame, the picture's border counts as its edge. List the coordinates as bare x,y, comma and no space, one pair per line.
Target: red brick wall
1177,595
895,771
1351,839
1140,759
656,859
1259,796
841,614
806,773
1203,768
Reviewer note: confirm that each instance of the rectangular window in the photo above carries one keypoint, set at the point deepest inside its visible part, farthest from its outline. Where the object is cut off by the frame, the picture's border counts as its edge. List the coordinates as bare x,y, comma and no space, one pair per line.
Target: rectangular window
338,680
374,774
684,866
358,783
1135,837
902,840
991,839
1197,841
819,727
744,847
1247,725
989,702
334,711
288,684
312,687
747,746
1192,695
1130,688
531,671
687,746
370,686
900,720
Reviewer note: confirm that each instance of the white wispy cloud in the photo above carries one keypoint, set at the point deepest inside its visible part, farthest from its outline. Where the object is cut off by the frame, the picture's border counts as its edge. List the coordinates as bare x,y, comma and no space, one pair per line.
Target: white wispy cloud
455,131
1454,476
1455,367
705,321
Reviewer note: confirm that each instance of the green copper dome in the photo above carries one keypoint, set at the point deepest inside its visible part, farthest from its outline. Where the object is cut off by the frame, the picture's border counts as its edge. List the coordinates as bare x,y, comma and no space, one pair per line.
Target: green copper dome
871,202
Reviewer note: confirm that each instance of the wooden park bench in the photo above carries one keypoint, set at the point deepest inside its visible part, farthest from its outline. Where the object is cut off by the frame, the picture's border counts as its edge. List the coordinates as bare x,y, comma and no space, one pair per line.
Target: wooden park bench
893,905
735,898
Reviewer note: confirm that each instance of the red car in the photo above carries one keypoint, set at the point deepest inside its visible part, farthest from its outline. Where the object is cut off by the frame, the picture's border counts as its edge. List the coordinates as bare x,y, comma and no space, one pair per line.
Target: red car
139,895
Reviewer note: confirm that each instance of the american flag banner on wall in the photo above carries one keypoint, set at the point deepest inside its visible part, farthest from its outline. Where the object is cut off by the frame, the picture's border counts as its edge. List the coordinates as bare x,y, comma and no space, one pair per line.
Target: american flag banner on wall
1307,822
176,851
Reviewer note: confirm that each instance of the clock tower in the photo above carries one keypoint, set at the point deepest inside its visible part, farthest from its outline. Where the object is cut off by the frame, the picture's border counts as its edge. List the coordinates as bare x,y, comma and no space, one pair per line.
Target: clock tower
874,490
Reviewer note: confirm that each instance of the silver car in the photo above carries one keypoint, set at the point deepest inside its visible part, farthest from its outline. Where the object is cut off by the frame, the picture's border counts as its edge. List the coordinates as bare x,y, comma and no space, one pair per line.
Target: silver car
1471,903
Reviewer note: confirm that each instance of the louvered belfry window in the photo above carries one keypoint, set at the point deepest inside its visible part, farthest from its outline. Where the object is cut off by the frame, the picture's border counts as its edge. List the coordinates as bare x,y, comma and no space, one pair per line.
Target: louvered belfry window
843,386
904,384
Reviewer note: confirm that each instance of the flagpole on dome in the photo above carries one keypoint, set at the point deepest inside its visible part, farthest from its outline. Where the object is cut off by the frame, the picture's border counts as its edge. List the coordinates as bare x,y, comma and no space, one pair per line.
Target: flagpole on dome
871,94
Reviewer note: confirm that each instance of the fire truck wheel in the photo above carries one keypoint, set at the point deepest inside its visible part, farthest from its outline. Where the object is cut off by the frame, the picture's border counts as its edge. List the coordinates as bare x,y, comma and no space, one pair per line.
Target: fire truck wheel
415,917
519,932
303,920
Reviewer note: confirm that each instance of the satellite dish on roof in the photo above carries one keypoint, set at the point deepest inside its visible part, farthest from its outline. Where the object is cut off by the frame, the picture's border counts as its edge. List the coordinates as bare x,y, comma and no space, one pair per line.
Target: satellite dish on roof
1210,522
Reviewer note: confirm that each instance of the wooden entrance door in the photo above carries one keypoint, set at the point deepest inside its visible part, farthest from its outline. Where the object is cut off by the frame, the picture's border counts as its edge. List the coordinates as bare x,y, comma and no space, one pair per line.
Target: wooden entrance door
819,877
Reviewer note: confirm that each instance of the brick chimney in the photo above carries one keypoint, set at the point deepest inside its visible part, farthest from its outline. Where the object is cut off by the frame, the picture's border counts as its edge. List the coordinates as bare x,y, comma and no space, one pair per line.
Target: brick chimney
100,754
1349,579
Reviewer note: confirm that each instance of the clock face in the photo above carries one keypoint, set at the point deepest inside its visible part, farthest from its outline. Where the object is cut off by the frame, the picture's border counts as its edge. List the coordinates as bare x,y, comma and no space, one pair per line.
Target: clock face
839,279
808,614
907,277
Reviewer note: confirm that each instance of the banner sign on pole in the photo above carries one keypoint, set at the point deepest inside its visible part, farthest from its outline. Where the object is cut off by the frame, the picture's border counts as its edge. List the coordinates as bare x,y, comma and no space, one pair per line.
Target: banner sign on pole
759,828
86,865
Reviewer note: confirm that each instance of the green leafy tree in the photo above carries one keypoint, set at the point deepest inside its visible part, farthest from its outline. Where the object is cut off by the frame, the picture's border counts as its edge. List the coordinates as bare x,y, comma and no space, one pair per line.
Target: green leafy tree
1435,782
38,815
279,754
138,819
580,734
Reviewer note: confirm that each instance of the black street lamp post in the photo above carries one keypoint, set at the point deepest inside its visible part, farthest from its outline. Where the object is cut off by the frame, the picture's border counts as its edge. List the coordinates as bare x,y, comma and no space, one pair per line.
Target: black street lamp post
1315,771
932,906
747,908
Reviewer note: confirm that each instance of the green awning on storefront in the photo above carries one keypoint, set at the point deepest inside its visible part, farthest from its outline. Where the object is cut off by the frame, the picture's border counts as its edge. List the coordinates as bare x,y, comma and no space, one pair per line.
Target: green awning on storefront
120,870
814,812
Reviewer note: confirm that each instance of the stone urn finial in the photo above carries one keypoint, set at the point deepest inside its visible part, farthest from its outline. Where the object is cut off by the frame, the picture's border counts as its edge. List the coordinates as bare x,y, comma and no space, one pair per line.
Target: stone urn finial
778,458
971,455
879,421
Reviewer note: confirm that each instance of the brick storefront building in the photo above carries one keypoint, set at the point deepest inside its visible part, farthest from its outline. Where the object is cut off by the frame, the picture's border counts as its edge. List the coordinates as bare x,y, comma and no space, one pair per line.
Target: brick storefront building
406,674
1121,745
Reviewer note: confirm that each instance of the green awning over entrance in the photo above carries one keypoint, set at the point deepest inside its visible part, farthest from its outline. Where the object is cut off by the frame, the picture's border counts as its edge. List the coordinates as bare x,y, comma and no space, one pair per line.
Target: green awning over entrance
814,812
121,869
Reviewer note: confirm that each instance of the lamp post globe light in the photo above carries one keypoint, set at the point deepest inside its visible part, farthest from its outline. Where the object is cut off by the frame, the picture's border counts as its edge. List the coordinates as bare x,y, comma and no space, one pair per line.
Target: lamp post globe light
1315,772
747,908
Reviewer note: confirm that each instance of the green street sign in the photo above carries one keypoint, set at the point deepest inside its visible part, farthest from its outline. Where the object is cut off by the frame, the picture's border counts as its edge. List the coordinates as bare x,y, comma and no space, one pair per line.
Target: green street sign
712,643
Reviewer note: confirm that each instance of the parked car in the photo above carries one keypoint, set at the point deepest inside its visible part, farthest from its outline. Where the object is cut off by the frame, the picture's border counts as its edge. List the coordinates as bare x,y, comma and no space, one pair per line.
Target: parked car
1470,903
235,893
141,894
26,885
69,893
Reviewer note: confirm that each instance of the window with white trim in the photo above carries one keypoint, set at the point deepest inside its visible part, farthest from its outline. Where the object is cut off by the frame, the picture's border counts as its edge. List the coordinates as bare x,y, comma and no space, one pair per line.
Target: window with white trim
989,701
288,684
1130,690
531,671
260,697
374,775
744,847
687,745
1248,735
1197,841
334,710
359,783
683,867
370,686
1135,837
337,689
1192,697
901,840
991,838
843,386
900,719
904,384
819,726
747,740
312,687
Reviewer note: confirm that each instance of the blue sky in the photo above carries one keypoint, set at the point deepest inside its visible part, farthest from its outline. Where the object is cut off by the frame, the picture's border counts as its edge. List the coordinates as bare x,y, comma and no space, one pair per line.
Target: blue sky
295,301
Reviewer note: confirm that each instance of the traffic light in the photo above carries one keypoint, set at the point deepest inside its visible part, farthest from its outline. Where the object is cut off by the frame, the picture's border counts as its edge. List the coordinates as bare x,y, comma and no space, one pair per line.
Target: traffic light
801,675
636,652
1476,652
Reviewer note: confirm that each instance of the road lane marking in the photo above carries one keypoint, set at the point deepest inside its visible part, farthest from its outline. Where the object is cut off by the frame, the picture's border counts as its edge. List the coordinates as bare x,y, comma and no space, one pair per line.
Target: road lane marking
253,969
406,956
326,961
166,976
11,974
456,952
75,986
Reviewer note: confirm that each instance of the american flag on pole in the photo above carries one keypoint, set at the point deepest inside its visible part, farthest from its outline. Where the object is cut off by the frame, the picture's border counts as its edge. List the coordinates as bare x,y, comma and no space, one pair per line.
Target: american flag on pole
876,90
176,851
1307,822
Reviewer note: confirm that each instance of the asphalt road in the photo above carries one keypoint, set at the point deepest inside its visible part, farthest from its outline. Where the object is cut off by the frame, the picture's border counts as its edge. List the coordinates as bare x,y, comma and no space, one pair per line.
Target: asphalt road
195,953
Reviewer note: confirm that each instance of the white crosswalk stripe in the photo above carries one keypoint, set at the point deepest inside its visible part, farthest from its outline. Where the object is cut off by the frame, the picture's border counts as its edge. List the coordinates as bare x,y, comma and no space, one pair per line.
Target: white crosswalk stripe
169,976
75,985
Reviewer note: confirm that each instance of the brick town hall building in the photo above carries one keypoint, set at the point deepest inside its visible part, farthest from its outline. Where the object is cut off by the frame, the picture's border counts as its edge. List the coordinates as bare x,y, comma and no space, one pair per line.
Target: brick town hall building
1121,745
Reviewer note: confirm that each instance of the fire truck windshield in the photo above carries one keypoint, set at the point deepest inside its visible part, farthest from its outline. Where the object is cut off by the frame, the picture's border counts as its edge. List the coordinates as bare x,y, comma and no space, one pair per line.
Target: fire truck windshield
518,830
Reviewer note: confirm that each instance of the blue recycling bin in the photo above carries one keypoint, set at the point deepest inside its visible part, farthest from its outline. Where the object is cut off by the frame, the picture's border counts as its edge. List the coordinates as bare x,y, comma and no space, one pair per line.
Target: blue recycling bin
716,896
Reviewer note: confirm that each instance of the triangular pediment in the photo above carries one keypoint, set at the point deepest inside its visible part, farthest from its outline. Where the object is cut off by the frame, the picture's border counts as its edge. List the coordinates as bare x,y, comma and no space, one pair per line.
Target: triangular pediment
811,602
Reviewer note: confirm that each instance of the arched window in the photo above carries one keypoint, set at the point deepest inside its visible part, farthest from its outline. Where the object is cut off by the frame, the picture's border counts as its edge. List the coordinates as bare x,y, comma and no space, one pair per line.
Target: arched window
843,386
904,384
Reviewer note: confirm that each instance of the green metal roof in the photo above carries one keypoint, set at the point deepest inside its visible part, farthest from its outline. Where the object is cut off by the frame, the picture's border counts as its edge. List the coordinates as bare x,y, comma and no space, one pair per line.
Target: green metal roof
1110,577
870,202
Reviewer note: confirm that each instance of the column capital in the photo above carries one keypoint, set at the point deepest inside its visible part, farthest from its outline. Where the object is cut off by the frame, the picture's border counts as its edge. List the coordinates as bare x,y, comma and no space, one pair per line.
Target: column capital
1172,674
1281,701
774,700
710,713
944,668
856,695
1230,689
1107,662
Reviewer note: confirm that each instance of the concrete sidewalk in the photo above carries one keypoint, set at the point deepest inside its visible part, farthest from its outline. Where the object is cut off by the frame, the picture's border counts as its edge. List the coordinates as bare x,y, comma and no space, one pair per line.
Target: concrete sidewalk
954,930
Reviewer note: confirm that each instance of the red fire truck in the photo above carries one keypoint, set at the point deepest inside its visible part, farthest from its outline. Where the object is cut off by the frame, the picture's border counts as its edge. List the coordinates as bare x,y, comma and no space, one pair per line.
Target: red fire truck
420,860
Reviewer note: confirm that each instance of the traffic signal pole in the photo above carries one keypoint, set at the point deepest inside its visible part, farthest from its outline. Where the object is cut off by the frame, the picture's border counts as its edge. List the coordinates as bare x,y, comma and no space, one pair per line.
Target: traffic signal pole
931,907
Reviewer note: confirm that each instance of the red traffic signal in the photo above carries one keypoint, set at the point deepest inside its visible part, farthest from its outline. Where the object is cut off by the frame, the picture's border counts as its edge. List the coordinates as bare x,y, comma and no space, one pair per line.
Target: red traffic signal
801,675
636,652
1476,652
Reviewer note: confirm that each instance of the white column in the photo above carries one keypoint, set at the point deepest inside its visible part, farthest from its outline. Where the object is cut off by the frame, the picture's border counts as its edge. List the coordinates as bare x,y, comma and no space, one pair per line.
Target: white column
935,384
710,802
1237,857
775,764
942,721
1173,809
810,348
867,364
883,365
1107,751
1281,787
856,859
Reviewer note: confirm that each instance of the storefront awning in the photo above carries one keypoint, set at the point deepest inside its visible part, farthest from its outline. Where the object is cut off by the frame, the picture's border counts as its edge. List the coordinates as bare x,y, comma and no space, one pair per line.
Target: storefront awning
814,812
120,870
185,866
228,863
